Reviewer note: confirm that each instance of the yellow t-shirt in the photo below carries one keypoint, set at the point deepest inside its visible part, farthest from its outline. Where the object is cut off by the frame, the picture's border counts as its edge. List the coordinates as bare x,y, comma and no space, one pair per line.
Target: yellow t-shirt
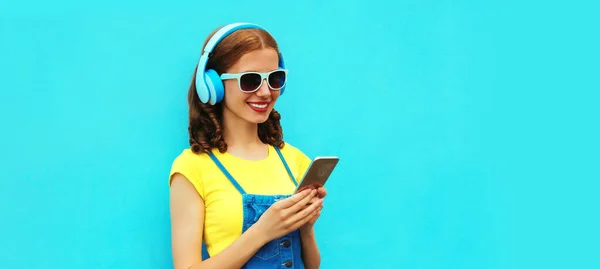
223,203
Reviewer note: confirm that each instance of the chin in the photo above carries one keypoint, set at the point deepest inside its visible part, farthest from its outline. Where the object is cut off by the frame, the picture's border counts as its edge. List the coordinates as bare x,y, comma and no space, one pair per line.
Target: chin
258,119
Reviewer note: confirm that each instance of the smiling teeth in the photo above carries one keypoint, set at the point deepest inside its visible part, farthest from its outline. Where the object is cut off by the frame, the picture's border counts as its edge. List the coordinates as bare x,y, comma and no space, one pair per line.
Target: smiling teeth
259,106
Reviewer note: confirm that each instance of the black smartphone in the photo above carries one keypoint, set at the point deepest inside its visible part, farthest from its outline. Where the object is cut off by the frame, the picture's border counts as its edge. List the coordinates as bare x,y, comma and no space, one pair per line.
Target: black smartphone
318,172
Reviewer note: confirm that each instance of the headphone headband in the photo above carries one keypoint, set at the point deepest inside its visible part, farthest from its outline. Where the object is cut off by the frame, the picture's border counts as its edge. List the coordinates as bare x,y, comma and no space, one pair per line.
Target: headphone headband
225,31
209,86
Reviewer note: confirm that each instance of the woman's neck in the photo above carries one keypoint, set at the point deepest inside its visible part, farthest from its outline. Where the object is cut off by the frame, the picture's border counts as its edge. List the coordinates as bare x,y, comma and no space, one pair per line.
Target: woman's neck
242,138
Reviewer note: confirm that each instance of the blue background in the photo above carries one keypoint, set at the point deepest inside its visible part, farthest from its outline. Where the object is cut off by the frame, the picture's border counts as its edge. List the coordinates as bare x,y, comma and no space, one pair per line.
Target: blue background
467,130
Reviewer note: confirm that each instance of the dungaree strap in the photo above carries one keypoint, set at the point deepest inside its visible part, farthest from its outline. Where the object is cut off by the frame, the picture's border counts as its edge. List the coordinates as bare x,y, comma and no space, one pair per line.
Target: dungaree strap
286,166
234,182
227,174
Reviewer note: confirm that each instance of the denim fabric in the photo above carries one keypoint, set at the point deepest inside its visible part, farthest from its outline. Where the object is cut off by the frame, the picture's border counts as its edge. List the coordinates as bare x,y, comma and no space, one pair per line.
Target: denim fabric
284,252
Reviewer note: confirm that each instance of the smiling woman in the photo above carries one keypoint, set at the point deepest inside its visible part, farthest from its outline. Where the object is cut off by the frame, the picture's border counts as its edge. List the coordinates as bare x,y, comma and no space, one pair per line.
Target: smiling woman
248,49
232,189
239,91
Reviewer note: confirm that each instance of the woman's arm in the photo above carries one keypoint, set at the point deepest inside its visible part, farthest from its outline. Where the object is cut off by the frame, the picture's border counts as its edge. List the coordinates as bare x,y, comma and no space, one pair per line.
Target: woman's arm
310,251
187,221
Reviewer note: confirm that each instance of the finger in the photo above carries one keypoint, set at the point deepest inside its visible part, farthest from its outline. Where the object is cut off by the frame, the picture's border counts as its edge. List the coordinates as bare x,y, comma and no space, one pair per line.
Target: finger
310,218
322,192
318,211
300,204
305,212
294,199
315,215
303,189
314,199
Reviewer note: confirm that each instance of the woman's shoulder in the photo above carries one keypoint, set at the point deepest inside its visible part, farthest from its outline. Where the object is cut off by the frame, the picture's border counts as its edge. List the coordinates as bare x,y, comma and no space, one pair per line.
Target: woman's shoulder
187,155
192,166
190,163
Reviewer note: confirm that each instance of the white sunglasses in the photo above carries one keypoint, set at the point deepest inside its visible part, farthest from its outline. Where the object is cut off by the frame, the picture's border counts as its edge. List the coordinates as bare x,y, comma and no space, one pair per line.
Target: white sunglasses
252,81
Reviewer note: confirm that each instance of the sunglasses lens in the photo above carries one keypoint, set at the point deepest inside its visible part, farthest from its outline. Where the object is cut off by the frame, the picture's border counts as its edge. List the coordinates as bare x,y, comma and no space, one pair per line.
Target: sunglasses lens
250,82
277,79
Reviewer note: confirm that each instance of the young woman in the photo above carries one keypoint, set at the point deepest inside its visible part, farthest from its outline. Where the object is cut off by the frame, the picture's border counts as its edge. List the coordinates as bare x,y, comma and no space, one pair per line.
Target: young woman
232,189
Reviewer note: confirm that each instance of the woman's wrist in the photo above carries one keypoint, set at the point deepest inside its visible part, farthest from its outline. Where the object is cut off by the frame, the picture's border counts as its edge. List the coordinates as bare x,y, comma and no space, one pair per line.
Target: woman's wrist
307,232
310,251
257,235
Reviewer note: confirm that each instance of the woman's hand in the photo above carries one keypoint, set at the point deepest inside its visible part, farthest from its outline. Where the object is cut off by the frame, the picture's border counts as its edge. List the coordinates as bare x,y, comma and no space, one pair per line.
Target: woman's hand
289,214
321,193
308,226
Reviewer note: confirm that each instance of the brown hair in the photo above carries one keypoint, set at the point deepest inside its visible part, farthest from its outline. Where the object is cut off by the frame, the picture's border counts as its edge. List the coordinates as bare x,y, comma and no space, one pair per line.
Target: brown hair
205,131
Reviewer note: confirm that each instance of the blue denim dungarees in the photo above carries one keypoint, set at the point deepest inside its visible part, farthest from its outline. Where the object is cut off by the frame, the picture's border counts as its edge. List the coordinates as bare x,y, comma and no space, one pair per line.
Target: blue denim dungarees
284,252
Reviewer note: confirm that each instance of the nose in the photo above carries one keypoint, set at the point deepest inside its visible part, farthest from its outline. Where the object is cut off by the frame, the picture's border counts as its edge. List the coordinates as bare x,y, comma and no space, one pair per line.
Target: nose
264,90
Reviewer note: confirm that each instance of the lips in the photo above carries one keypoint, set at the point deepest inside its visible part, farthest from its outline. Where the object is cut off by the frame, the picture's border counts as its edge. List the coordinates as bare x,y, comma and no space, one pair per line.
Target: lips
259,106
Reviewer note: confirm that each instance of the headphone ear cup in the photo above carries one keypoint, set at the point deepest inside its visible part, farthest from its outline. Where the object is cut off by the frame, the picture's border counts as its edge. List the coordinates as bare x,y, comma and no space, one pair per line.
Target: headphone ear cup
282,90
215,86
282,66
284,86
202,88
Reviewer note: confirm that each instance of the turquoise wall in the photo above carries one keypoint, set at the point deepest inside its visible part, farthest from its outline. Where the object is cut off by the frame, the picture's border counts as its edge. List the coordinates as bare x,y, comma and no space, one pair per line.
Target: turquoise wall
467,130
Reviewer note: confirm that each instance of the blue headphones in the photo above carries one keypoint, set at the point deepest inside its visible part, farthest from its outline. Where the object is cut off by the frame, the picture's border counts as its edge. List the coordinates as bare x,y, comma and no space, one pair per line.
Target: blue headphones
209,86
